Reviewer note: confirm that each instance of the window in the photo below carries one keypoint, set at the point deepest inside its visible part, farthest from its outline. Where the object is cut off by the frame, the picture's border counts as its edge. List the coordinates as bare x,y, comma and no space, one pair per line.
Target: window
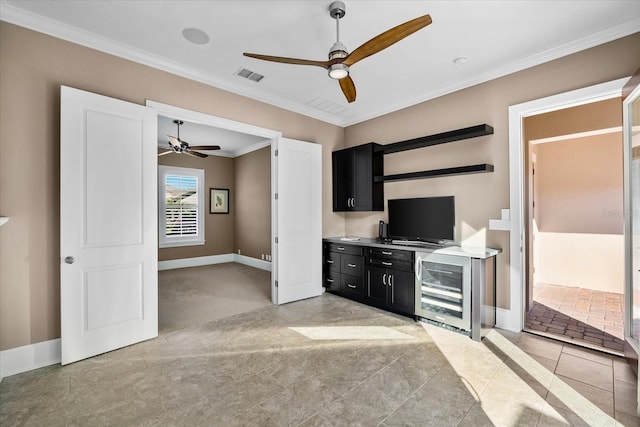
181,206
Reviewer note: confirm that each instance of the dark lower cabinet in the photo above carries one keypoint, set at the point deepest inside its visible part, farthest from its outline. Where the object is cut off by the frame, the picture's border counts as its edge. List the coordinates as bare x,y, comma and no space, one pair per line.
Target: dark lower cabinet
381,278
393,290
343,270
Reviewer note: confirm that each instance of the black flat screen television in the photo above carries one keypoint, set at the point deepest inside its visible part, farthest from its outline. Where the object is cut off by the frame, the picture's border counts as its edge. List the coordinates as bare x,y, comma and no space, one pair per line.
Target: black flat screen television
426,219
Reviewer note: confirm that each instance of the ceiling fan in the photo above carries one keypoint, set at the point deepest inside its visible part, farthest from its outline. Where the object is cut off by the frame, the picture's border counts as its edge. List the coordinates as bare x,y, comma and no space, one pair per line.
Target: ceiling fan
340,59
177,145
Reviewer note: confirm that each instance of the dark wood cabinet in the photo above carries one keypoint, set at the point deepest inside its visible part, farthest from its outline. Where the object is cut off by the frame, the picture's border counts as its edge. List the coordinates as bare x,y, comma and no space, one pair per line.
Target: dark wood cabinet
343,270
389,280
354,185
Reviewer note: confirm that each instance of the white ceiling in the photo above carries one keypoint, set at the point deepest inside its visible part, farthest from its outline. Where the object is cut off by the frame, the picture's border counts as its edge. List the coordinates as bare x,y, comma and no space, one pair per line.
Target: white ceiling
232,143
495,37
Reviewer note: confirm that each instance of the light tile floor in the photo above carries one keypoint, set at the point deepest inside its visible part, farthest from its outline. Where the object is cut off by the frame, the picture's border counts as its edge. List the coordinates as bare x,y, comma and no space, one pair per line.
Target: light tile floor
587,317
370,368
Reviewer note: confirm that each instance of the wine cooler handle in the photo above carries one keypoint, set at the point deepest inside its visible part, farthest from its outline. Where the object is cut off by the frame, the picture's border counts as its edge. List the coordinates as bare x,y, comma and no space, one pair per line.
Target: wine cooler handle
418,269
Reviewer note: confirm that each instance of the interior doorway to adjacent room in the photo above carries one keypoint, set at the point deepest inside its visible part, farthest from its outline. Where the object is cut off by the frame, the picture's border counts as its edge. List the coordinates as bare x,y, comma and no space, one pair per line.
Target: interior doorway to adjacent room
574,232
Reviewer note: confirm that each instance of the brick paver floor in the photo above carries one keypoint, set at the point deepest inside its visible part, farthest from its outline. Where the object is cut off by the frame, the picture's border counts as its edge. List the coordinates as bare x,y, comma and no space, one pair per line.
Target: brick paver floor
582,316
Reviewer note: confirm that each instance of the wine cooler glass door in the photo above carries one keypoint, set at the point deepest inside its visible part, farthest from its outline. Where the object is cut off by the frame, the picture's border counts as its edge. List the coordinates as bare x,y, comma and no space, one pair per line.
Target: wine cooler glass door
443,291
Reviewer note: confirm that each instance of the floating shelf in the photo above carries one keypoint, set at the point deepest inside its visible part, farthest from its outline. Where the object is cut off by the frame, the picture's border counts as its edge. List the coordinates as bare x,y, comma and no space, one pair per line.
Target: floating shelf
460,170
439,138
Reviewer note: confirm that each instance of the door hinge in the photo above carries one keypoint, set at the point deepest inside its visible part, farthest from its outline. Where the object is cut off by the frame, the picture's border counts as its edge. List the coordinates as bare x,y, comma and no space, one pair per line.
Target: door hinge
276,153
276,283
276,240
276,196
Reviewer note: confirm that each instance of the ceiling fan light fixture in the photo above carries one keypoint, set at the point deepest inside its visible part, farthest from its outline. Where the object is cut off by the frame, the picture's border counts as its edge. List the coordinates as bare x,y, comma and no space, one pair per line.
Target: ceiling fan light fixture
338,71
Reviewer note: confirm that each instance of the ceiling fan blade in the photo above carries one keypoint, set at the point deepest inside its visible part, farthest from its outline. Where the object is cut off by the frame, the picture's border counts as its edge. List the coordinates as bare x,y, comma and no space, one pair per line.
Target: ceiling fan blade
165,153
386,39
295,61
174,141
195,154
204,147
348,88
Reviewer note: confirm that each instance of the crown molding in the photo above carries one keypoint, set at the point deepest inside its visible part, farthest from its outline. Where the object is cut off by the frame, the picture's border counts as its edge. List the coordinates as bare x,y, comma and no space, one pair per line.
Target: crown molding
84,38
75,35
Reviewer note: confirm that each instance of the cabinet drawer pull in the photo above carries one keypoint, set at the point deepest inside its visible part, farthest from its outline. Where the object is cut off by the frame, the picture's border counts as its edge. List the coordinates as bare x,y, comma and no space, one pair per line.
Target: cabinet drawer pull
387,263
329,261
351,286
330,280
340,248
387,253
351,265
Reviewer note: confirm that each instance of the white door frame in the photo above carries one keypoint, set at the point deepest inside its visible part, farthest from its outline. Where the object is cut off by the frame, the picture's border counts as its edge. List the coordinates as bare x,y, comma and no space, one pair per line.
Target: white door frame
219,122
513,319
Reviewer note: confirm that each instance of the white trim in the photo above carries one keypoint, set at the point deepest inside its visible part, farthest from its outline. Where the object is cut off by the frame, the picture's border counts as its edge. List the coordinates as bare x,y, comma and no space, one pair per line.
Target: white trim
252,262
513,319
254,147
165,241
214,259
576,135
29,357
63,31
194,262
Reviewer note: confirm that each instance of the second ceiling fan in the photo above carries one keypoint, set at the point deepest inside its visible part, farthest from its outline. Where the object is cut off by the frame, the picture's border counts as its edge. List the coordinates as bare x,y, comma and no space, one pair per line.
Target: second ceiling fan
176,145
340,59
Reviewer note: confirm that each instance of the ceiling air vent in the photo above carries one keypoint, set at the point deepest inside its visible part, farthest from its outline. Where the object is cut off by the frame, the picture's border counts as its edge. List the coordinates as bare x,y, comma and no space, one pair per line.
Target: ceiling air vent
327,106
248,74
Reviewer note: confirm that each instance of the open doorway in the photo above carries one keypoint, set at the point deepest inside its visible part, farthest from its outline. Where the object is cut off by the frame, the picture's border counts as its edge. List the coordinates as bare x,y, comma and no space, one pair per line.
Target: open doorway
226,270
575,243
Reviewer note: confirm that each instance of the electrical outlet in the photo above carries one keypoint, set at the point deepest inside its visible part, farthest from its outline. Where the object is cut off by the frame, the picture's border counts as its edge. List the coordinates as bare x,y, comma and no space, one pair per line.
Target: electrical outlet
262,256
239,252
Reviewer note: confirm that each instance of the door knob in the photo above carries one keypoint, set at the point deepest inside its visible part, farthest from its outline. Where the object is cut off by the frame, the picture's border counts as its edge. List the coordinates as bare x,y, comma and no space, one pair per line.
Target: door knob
69,260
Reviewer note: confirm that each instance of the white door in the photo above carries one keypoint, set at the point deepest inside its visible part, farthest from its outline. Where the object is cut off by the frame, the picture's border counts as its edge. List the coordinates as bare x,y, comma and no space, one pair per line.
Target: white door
297,255
108,224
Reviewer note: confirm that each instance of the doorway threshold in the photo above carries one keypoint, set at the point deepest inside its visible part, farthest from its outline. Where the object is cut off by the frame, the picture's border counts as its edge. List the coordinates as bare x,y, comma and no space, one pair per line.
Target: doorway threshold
567,340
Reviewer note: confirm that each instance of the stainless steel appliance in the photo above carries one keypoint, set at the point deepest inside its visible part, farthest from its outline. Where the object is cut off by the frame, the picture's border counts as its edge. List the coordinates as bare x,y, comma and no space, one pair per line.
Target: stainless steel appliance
443,289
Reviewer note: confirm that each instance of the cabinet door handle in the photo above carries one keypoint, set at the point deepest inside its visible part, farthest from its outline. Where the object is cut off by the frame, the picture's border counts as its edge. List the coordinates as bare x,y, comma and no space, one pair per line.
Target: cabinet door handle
351,286
330,280
353,202
391,280
387,263
351,265
384,279
329,261
387,253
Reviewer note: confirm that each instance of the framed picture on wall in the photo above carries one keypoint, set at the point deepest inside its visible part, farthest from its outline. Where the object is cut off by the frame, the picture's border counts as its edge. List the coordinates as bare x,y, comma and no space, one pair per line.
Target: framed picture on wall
219,200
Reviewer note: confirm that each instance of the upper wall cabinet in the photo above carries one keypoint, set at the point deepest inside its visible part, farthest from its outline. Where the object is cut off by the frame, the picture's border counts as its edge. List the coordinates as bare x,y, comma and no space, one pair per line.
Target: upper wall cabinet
355,187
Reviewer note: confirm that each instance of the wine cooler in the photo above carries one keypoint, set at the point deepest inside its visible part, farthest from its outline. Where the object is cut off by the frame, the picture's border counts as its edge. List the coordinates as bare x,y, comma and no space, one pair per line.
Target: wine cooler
443,289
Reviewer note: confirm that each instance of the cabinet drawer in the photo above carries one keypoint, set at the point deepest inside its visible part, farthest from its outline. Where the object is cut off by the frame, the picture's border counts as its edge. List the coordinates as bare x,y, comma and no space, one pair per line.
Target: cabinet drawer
391,264
396,254
351,264
332,261
332,281
345,249
352,285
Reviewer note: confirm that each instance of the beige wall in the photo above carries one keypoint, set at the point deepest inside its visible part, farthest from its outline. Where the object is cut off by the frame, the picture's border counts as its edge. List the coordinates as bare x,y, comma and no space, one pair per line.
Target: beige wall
480,197
578,240
32,68
219,172
253,203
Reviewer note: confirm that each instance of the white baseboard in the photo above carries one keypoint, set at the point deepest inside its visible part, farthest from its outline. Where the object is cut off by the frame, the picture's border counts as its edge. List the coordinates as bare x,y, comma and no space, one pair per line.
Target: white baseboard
214,259
195,262
29,357
252,262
